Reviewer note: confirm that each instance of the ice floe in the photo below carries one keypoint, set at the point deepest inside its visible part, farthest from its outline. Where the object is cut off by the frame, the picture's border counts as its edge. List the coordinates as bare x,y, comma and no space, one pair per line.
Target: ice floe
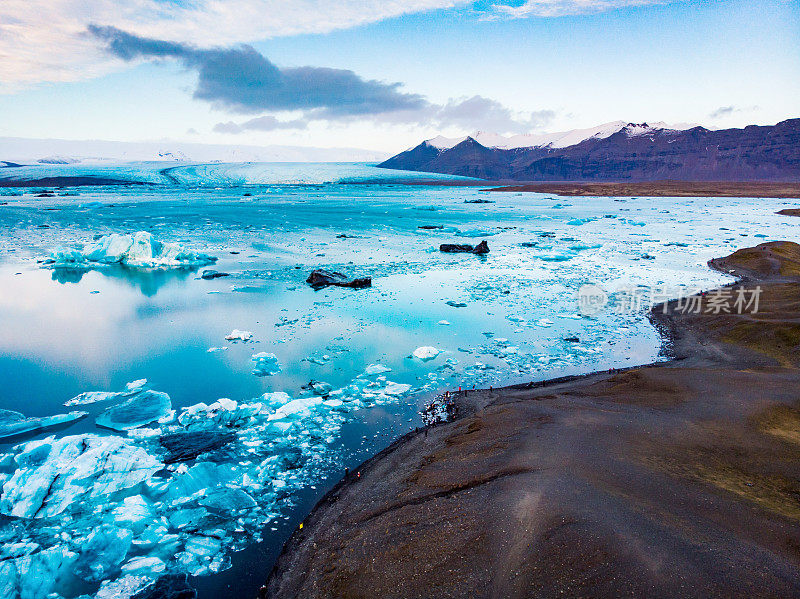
143,408
13,423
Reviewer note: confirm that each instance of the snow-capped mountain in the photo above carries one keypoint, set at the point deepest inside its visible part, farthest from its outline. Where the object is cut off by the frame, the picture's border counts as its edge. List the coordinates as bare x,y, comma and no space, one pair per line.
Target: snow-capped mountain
559,139
616,151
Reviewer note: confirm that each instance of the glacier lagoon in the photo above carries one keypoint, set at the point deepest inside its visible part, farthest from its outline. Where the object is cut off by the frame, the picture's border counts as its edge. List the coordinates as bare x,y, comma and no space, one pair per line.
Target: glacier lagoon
230,461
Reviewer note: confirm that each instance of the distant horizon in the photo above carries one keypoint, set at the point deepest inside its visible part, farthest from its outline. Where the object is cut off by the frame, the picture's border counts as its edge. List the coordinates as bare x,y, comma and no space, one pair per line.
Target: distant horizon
348,154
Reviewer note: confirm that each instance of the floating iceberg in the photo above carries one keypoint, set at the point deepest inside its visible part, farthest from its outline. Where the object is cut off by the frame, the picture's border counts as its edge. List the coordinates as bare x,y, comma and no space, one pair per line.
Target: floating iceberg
374,369
265,364
143,408
139,250
237,335
14,423
426,352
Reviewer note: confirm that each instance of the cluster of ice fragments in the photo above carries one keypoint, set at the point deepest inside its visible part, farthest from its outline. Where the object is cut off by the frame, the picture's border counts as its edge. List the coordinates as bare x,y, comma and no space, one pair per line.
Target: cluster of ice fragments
177,493
139,250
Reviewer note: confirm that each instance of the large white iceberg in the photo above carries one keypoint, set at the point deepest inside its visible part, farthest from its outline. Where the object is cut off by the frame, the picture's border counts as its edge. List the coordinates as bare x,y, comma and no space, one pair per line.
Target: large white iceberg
139,250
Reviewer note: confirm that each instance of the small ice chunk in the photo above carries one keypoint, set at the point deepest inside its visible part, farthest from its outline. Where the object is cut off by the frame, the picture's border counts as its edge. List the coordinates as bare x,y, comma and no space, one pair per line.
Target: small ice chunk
265,364
443,322
222,413
395,389
135,385
294,407
211,350
237,335
123,588
320,388
143,408
374,369
426,352
228,500
102,552
143,566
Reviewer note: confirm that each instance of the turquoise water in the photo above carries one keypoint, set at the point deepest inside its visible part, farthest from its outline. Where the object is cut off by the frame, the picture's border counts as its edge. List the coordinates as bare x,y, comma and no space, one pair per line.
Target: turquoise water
506,317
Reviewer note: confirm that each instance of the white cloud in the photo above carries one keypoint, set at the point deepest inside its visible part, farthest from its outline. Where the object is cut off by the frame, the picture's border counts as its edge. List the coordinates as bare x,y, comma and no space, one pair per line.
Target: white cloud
44,40
561,8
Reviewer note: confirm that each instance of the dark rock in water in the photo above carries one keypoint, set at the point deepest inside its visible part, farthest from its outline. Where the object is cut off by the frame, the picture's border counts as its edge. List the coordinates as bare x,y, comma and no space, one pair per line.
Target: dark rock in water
465,248
169,586
184,447
46,194
479,201
324,278
430,227
456,304
453,248
572,339
213,274
529,244
247,195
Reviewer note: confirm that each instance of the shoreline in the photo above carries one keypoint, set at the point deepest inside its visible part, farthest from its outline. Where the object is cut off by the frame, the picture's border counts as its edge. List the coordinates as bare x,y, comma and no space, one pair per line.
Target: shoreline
423,477
743,189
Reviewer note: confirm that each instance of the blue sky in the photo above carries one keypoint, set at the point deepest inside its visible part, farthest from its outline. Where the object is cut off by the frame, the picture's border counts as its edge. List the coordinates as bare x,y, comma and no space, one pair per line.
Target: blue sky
540,65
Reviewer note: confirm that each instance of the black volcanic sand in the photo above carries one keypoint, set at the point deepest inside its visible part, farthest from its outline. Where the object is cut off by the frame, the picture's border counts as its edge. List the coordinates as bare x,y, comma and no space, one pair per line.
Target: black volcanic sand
674,480
672,189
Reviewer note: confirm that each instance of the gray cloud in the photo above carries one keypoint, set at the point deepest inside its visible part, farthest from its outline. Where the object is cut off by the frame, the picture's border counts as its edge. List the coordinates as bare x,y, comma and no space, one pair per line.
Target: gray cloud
262,123
725,111
721,112
491,115
243,80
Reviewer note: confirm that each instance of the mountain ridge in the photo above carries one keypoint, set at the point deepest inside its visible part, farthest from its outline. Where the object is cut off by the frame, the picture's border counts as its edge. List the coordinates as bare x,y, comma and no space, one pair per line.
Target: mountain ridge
635,152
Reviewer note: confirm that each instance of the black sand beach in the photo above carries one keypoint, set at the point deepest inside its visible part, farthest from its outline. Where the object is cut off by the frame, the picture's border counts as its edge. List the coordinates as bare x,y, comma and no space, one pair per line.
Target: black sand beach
679,479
